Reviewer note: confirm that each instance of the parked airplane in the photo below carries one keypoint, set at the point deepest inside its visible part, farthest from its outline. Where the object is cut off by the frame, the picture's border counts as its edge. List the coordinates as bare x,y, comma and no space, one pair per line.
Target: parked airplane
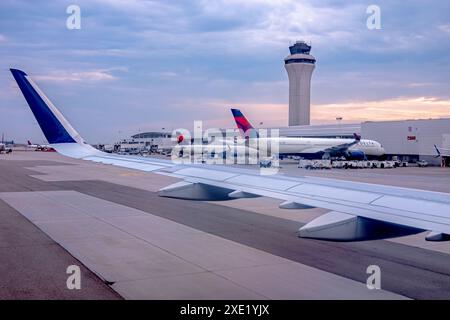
217,150
357,210
5,148
30,145
2,144
316,148
39,147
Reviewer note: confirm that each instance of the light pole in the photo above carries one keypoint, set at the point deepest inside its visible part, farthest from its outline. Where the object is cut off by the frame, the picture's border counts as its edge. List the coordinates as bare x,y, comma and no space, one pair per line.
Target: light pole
140,141
339,120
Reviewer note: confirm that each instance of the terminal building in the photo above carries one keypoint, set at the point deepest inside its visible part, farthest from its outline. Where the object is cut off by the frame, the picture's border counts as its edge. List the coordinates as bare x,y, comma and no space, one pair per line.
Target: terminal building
409,140
153,140
141,142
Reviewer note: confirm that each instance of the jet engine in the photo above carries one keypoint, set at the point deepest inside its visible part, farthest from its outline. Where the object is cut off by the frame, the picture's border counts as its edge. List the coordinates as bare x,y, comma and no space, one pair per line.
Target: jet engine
355,155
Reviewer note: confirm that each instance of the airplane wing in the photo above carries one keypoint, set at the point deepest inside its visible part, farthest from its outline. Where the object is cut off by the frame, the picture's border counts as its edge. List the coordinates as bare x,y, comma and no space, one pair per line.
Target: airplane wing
343,147
357,210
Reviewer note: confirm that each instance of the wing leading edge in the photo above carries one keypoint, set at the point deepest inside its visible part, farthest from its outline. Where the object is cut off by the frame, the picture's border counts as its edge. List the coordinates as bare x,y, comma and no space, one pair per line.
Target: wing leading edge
357,210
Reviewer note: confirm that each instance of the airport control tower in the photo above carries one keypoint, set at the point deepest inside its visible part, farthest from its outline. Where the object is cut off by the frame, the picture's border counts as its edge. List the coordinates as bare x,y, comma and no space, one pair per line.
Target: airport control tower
299,66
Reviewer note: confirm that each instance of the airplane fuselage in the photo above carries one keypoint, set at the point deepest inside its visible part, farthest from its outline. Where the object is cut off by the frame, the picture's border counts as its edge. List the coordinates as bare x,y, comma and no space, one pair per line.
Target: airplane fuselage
316,147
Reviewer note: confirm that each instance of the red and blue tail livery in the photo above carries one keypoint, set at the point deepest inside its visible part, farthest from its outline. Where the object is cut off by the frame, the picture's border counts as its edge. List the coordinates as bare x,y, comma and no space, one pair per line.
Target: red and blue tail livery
243,124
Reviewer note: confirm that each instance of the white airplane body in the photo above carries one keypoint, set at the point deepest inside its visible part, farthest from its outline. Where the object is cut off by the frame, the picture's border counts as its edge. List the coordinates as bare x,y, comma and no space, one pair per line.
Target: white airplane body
312,147
318,147
357,210
213,148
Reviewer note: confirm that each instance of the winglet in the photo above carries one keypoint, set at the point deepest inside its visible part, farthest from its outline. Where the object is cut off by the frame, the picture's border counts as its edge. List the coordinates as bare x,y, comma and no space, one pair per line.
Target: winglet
58,131
54,126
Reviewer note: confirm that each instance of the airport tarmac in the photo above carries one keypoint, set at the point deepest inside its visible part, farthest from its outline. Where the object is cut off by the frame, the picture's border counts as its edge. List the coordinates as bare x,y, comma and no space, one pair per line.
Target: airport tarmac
132,244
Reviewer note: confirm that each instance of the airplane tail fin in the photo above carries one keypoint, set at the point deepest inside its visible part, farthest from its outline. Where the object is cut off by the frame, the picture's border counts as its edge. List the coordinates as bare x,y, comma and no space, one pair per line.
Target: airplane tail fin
437,151
243,124
58,131
29,142
356,136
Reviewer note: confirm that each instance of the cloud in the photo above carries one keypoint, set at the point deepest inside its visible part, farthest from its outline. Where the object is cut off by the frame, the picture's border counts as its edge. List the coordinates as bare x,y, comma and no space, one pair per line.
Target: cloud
91,75
444,28
112,52
390,109
238,27
275,115
191,59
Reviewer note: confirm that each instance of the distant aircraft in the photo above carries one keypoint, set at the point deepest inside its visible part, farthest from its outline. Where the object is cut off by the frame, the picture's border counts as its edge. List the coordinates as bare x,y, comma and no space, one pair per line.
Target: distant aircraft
357,211
5,148
39,147
219,148
316,148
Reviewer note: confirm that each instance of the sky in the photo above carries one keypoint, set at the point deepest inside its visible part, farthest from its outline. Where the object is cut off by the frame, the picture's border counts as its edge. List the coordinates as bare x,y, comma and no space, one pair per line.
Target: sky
146,65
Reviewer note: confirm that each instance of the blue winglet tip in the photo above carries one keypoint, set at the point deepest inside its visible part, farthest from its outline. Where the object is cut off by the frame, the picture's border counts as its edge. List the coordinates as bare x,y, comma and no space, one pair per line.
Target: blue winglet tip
17,72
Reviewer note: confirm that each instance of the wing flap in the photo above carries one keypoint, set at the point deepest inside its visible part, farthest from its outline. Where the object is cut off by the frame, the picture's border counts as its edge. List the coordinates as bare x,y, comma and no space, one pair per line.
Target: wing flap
126,163
332,192
204,173
258,181
415,205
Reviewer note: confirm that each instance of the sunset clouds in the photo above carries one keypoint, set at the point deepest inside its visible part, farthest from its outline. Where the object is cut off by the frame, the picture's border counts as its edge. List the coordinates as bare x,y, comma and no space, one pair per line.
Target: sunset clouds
152,64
